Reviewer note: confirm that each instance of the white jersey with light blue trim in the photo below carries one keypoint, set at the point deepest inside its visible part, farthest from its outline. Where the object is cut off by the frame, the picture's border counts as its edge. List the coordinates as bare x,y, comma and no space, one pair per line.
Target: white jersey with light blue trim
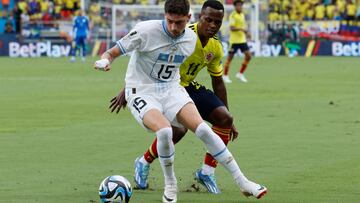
156,56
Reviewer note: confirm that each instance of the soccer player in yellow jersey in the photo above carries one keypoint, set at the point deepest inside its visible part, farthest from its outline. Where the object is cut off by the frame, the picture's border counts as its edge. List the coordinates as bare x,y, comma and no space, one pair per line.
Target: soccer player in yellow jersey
350,10
211,105
238,35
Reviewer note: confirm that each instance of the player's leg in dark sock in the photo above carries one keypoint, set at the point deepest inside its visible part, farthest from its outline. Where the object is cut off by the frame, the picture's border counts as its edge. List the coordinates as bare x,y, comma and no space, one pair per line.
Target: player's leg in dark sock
246,61
227,64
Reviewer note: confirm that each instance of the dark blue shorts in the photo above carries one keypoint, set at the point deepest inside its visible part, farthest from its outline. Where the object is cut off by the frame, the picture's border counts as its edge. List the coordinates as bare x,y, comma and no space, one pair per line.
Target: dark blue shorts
205,100
235,47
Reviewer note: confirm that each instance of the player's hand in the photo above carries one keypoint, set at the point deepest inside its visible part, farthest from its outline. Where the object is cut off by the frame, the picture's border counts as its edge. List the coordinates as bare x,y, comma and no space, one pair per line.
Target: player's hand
102,64
118,102
234,133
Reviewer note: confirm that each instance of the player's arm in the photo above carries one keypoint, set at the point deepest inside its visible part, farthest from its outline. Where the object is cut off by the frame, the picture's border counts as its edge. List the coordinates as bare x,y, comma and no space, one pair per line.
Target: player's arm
107,58
220,91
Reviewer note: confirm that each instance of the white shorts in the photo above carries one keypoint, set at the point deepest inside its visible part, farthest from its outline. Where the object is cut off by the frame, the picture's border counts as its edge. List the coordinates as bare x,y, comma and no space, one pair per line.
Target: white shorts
168,102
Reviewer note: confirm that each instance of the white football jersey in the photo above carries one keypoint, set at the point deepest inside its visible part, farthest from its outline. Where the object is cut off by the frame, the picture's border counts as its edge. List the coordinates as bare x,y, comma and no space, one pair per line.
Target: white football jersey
156,57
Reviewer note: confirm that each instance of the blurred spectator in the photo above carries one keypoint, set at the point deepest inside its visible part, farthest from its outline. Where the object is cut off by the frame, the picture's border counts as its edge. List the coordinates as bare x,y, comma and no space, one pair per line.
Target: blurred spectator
33,7
331,11
47,19
17,18
340,4
23,6
5,4
276,35
319,11
303,7
292,40
44,5
128,1
25,18
94,14
9,28
350,11
310,13
273,15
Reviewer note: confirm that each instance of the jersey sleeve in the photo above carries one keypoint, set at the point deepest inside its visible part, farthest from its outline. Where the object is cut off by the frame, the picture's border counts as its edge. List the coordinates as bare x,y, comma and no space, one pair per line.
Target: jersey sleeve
132,41
215,67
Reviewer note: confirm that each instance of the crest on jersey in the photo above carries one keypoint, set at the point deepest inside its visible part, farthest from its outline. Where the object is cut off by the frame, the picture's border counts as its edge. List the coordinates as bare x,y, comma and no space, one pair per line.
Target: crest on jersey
209,56
132,34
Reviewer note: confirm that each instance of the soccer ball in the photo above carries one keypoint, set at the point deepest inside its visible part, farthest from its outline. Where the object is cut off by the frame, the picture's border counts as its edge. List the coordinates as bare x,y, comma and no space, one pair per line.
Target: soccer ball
115,189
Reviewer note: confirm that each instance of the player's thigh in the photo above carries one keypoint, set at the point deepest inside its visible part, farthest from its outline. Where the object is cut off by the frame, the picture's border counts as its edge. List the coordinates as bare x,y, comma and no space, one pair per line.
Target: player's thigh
205,100
140,105
189,117
155,120
174,102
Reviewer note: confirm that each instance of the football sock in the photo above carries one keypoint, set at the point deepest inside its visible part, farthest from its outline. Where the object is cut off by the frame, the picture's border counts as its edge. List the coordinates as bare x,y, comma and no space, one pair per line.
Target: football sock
151,154
220,152
207,170
243,67
166,151
226,67
224,134
143,161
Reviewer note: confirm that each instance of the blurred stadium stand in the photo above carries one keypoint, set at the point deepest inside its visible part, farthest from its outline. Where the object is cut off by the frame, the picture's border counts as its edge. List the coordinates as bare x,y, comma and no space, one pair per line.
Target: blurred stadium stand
282,21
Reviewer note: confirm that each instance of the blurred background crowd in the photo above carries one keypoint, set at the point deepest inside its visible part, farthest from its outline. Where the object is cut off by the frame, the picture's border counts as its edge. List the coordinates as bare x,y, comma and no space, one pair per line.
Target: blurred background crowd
52,19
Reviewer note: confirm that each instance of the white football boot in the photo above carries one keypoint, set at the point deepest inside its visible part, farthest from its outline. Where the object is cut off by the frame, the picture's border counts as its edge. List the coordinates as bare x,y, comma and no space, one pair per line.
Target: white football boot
170,191
226,79
241,77
253,189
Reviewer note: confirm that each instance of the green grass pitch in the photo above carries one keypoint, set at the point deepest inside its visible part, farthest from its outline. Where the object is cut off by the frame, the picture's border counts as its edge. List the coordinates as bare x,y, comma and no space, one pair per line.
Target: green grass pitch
298,118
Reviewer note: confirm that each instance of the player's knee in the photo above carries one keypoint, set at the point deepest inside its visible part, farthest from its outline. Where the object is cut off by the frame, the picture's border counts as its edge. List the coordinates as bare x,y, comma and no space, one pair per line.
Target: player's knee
178,134
203,131
248,56
221,117
227,121
164,135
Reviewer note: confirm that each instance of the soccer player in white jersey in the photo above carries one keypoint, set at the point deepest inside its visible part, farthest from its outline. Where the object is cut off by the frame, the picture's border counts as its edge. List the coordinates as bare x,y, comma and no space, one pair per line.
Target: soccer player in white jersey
158,101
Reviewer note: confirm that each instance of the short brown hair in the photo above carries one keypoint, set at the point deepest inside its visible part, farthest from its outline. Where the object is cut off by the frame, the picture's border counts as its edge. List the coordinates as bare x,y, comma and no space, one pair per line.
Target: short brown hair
180,7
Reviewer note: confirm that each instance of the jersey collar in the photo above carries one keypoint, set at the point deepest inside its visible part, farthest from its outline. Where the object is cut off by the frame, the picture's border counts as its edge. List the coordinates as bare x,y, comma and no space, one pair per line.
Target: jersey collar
168,33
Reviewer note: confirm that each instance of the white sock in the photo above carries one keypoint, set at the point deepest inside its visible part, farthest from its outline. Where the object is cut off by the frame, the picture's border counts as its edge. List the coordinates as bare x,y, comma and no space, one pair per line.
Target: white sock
207,170
166,152
219,151
143,160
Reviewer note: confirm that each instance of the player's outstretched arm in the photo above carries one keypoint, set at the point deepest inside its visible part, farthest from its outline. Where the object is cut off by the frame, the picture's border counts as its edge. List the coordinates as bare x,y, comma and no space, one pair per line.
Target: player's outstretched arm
107,58
118,102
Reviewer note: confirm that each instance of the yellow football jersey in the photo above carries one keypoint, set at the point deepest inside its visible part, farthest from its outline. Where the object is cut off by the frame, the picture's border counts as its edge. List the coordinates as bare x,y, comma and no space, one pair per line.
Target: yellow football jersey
209,56
237,20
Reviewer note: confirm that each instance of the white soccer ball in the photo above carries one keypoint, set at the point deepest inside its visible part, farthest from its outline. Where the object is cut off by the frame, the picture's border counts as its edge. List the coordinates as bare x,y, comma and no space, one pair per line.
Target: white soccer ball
115,189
